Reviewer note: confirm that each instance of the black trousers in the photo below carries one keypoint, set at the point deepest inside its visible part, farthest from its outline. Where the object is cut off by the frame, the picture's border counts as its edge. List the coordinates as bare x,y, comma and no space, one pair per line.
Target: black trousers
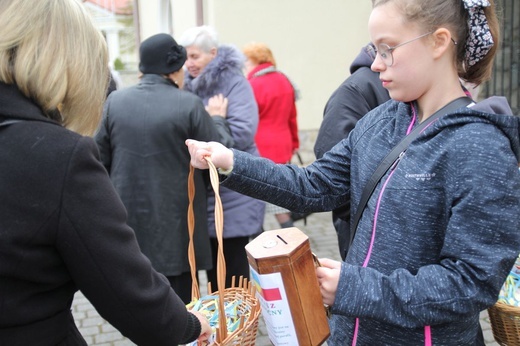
236,260
181,284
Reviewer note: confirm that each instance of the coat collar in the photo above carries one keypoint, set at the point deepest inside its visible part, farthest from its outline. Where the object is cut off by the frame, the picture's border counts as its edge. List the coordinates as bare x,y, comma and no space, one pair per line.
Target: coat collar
228,63
261,70
156,79
15,105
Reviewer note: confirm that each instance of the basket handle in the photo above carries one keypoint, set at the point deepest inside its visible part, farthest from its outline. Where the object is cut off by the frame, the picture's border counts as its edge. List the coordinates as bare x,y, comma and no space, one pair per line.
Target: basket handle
219,228
195,291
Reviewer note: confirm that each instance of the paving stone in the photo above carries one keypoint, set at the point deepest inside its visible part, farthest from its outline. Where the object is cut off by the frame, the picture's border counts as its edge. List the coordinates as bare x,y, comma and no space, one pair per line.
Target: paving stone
323,242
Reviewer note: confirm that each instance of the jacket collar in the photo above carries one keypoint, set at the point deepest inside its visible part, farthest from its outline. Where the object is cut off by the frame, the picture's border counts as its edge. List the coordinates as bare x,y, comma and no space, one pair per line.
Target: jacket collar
228,63
261,70
15,105
156,79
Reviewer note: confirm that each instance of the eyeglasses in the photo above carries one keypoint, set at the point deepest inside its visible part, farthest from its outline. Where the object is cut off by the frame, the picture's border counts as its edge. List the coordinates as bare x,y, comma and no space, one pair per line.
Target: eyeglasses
385,51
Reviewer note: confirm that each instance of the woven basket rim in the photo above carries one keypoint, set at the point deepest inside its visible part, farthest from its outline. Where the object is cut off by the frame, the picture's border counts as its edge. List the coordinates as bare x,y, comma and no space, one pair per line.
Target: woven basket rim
506,308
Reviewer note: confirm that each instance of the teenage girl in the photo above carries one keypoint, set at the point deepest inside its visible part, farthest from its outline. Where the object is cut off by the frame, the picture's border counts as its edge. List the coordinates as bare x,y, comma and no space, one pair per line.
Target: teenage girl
439,234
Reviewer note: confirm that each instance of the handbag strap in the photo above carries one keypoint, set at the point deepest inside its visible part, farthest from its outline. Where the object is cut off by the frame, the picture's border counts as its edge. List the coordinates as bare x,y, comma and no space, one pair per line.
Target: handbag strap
398,151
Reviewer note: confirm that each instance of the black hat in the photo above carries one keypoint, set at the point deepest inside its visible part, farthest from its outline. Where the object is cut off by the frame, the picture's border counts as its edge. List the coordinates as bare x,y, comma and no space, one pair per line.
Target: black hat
160,54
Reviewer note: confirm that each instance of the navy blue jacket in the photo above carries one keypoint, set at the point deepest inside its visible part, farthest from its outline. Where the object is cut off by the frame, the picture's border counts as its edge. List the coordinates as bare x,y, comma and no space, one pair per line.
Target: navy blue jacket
439,235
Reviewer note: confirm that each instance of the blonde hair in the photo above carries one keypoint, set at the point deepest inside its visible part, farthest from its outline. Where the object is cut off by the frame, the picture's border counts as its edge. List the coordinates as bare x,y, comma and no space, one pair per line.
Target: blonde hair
451,14
258,53
53,53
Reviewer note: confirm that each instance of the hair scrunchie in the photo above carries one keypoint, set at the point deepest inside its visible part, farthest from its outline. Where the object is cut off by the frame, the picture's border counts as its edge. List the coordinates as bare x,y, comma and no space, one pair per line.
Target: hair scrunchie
480,39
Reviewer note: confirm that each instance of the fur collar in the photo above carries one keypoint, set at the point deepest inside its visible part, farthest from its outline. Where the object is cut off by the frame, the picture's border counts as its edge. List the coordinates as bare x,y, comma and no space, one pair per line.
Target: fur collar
228,63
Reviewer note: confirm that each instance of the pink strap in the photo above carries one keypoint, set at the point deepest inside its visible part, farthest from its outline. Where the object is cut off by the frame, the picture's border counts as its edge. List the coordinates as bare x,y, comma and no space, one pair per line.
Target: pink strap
374,226
356,328
427,336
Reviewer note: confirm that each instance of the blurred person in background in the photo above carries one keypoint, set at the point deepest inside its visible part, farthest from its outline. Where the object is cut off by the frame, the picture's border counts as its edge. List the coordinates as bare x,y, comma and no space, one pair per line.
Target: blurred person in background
361,92
141,141
212,68
277,135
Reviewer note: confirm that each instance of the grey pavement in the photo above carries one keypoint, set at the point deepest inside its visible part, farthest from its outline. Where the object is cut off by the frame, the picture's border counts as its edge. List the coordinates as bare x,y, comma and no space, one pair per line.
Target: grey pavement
323,243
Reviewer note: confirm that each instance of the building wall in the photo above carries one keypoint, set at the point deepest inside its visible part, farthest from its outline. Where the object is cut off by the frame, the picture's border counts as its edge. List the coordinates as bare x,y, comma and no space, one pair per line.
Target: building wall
313,41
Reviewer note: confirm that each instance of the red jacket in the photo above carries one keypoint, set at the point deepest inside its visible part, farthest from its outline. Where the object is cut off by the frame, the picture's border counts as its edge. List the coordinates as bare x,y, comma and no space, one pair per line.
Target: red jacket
277,134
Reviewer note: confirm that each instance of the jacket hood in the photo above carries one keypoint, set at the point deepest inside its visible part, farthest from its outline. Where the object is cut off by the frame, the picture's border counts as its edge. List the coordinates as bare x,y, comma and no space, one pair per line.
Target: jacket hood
494,110
364,59
229,61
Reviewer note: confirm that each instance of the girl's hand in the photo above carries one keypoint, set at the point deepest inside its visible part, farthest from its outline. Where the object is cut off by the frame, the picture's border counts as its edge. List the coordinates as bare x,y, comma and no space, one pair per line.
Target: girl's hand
328,278
221,156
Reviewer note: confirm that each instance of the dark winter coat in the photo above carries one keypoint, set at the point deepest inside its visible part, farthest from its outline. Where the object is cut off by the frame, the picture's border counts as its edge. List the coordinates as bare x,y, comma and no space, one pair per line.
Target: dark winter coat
361,92
243,216
63,228
141,141
438,236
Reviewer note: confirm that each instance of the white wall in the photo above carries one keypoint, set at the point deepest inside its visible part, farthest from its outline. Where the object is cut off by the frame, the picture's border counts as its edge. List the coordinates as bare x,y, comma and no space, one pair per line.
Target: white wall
153,17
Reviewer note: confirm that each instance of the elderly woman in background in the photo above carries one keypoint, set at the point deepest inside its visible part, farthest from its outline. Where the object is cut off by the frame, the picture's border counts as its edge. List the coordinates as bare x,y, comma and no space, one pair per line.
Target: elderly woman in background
277,135
214,69
62,225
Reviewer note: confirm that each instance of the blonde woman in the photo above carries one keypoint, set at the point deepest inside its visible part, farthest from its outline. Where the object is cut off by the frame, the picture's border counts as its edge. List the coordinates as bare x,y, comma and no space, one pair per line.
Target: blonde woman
62,226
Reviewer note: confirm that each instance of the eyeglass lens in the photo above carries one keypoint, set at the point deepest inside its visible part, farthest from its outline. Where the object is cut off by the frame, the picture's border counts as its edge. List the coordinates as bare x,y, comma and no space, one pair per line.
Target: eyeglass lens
384,51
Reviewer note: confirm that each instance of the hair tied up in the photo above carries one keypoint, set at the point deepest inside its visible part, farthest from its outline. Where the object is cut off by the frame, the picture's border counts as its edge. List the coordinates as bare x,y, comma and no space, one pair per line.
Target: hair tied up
479,40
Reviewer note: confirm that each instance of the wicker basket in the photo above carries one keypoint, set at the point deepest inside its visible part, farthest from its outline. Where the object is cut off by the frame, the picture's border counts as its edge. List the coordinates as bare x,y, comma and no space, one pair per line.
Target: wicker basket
505,314
241,293
505,323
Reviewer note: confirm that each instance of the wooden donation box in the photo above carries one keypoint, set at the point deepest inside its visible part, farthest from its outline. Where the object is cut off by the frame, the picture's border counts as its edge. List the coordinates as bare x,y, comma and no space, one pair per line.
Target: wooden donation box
283,271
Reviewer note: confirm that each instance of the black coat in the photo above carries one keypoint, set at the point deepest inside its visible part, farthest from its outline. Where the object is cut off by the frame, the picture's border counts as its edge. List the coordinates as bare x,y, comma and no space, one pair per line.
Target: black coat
141,140
361,92
63,228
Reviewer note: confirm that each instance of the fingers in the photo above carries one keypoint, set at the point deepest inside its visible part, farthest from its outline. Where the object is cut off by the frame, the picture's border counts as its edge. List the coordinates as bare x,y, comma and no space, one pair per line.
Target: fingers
198,150
217,105
217,100
224,102
328,278
321,273
205,328
328,263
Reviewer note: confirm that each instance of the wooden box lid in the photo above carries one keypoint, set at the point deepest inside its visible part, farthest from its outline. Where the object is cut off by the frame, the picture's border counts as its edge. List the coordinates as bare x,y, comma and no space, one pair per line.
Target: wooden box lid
279,246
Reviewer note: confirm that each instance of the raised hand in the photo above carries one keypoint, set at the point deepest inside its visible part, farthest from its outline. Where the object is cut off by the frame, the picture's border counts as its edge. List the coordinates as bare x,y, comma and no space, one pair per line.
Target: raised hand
217,105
